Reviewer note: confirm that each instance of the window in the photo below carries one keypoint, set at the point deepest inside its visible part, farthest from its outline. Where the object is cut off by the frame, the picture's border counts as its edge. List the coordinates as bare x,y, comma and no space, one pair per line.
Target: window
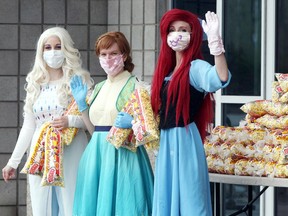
281,194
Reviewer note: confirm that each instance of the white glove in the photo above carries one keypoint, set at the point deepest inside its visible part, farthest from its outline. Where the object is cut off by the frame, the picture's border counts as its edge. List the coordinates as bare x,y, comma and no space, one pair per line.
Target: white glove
211,28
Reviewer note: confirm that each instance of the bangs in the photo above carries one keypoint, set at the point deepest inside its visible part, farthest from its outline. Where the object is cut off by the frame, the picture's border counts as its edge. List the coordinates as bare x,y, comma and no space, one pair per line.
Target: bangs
104,43
177,15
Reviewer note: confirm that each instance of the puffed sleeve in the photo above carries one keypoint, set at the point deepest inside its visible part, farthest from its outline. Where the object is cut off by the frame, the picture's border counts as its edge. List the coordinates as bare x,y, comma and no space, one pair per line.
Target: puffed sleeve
204,77
23,141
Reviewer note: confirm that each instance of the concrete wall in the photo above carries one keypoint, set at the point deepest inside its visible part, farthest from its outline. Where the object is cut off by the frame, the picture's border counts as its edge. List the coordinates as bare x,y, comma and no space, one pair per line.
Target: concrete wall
22,22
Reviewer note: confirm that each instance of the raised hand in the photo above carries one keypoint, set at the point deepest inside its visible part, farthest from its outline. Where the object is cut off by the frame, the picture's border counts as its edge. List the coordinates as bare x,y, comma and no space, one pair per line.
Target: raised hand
79,92
211,28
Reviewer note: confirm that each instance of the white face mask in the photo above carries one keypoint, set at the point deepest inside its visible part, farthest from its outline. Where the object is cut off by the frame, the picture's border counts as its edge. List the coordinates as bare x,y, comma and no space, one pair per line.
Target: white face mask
112,66
178,41
54,58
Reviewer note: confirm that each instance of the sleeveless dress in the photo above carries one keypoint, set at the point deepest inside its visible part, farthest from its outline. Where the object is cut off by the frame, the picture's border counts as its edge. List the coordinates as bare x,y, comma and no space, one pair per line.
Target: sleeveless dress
181,174
112,181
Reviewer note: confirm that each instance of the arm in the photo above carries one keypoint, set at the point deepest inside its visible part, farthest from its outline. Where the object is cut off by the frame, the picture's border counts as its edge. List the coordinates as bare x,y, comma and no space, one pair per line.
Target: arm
23,142
71,119
68,121
75,121
221,67
205,77
87,122
79,91
211,28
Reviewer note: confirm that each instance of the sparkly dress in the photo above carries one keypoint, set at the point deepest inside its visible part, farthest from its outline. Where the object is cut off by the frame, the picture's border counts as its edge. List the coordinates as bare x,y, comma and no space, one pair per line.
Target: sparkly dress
112,182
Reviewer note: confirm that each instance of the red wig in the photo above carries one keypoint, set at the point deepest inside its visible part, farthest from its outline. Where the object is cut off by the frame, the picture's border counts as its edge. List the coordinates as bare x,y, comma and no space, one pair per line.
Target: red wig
178,90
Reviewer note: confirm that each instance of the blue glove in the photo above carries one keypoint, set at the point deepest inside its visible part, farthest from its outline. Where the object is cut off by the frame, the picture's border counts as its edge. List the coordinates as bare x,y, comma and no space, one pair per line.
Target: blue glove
79,92
123,120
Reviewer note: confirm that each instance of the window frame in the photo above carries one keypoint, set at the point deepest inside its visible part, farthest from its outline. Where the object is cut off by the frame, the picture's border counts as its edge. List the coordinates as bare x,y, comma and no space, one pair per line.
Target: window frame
268,25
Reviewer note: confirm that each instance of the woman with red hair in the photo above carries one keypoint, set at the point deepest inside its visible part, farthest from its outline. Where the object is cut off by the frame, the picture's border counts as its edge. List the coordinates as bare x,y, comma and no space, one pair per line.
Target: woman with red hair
181,95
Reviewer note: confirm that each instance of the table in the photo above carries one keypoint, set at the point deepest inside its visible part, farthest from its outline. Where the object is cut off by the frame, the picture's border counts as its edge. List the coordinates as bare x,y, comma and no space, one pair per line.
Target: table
248,180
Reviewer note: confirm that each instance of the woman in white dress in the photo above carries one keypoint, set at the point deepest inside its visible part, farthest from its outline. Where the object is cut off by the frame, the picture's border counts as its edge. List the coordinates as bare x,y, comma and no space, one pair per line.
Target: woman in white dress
47,99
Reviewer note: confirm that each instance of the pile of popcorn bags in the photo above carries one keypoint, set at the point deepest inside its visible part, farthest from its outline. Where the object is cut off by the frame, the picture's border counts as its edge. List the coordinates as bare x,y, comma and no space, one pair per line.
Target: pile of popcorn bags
259,147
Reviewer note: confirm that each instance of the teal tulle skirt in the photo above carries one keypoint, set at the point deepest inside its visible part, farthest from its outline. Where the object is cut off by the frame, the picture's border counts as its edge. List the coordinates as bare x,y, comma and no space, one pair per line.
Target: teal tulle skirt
113,182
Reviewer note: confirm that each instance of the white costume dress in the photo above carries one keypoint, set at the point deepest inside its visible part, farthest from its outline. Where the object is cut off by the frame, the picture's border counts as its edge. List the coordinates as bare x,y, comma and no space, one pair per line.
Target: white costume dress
50,200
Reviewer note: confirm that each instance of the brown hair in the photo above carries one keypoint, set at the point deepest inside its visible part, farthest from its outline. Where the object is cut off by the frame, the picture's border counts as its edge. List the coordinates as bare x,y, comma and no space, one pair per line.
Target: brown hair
106,40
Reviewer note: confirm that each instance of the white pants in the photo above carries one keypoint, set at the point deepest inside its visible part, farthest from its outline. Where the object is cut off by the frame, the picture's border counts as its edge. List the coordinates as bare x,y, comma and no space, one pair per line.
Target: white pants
54,200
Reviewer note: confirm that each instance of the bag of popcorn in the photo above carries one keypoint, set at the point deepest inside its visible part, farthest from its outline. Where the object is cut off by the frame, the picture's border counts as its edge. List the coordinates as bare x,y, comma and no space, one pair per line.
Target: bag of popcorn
145,127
